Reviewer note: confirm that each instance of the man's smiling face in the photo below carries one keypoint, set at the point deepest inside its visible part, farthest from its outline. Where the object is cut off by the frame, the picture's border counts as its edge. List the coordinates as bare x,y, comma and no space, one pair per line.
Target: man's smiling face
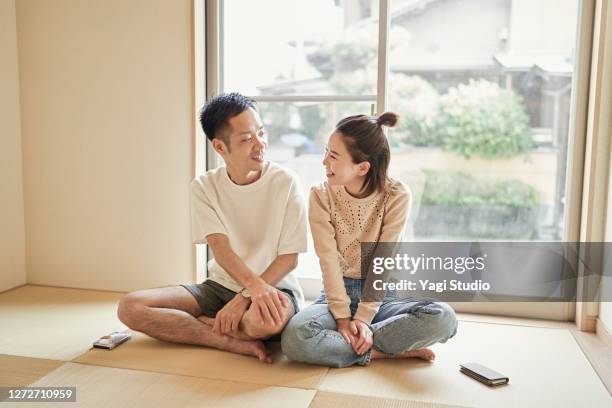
244,142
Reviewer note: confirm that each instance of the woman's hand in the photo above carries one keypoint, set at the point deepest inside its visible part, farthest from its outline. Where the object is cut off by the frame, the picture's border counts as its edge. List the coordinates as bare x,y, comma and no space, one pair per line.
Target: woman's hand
363,336
345,330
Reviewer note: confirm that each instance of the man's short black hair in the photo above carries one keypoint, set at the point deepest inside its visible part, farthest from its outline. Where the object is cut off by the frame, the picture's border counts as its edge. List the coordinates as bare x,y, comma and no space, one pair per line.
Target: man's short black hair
216,114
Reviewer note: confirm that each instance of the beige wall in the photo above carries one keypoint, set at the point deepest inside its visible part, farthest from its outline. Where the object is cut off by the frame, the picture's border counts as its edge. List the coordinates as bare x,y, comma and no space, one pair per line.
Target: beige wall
12,241
106,91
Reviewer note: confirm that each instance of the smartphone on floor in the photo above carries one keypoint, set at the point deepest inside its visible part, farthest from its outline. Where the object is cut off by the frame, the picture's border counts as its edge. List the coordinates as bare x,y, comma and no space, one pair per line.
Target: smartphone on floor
110,341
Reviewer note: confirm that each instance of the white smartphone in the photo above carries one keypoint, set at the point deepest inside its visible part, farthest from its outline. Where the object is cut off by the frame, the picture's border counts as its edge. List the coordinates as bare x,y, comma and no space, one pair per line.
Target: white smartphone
112,340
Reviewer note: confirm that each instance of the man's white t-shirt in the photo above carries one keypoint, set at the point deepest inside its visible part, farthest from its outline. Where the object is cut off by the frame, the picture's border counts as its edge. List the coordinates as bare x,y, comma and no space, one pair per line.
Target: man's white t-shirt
262,220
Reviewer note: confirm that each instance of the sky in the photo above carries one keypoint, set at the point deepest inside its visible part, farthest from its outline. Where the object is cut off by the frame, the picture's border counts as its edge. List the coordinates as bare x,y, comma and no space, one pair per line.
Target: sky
257,34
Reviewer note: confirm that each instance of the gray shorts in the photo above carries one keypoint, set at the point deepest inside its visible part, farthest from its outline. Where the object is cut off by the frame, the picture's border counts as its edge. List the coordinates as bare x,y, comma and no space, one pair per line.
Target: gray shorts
212,296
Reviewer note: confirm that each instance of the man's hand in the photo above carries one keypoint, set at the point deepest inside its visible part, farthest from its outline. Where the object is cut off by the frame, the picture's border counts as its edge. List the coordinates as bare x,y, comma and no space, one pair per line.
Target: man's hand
267,301
363,334
228,318
345,330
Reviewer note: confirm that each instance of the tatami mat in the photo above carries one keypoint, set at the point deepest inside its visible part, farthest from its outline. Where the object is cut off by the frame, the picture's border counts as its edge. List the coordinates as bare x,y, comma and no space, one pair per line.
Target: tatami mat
545,366
598,351
18,371
112,387
145,353
515,321
55,323
334,400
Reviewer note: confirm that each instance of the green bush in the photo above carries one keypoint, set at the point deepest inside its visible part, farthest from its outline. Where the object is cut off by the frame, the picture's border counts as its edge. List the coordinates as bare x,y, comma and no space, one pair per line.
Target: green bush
478,118
461,189
482,119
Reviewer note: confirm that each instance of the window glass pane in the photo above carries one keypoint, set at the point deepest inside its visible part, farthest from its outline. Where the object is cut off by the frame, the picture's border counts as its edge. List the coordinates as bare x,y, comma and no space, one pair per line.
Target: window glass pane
483,88
297,135
303,47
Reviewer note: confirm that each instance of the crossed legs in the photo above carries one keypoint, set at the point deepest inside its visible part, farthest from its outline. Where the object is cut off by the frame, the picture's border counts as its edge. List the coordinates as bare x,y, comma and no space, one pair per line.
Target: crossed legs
172,314
401,329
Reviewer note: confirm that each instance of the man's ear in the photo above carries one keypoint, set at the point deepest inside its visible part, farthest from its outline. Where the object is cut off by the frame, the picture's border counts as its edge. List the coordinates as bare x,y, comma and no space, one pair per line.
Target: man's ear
364,167
219,146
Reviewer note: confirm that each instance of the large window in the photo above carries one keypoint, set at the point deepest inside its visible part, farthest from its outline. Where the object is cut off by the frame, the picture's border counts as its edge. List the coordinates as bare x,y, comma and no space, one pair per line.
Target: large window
482,87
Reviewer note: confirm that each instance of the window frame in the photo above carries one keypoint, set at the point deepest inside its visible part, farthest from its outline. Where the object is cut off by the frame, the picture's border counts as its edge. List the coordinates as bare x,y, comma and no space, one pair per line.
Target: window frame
211,13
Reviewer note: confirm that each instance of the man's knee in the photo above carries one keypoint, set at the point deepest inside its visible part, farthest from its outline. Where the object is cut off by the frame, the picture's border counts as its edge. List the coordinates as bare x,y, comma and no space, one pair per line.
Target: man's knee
133,307
252,327
130,306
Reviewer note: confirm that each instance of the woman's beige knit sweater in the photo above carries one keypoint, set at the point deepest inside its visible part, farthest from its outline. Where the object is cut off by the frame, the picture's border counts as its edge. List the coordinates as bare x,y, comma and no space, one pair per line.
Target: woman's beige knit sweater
340,223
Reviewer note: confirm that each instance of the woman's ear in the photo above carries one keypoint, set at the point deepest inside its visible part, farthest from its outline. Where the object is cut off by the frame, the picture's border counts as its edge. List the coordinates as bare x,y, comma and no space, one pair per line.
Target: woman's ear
364,167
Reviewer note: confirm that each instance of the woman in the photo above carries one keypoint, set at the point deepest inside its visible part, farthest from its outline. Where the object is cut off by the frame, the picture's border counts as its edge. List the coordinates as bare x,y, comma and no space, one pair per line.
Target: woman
360,203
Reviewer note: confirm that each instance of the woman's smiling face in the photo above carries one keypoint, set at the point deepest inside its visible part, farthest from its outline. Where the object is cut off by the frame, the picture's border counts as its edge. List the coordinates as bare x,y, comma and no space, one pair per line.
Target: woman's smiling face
339,165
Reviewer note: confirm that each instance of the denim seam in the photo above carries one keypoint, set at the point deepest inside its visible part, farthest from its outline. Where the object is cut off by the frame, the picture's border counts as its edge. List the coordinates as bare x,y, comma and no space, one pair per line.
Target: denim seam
384,328
367,358
415,313
335,334
315,317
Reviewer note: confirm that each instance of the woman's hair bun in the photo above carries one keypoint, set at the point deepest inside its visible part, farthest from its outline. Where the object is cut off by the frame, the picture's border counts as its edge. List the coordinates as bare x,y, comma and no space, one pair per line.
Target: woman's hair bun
388,119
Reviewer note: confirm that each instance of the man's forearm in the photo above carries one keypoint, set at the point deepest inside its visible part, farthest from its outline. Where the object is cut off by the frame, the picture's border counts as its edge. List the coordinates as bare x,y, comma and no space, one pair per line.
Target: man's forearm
230,261
279,268
240,272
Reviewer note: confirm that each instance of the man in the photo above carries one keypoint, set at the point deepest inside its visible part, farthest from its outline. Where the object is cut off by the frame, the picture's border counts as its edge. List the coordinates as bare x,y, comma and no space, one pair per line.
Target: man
252,215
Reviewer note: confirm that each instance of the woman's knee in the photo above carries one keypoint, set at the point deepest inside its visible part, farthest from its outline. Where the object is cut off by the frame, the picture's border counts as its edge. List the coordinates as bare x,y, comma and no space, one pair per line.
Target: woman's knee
311,338
444,319
297,337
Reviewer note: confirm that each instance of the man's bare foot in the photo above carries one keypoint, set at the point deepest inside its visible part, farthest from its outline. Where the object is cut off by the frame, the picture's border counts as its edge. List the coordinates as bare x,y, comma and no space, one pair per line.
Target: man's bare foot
238,335
250,348
241,344
424,354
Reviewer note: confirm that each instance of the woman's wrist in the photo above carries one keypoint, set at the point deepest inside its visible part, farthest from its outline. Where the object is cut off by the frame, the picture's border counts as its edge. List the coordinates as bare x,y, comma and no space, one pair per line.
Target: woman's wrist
343,321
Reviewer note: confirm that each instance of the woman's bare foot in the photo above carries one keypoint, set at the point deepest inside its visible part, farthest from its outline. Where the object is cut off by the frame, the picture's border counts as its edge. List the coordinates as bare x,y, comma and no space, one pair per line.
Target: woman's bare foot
424,354
250,348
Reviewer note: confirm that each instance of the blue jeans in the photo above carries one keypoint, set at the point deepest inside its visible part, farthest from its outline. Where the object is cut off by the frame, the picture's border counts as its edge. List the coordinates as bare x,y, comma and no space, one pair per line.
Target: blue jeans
400,325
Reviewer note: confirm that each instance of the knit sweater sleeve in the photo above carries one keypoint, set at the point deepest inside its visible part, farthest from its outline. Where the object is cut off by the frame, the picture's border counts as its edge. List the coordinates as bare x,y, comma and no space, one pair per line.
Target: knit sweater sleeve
395,217
326,248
